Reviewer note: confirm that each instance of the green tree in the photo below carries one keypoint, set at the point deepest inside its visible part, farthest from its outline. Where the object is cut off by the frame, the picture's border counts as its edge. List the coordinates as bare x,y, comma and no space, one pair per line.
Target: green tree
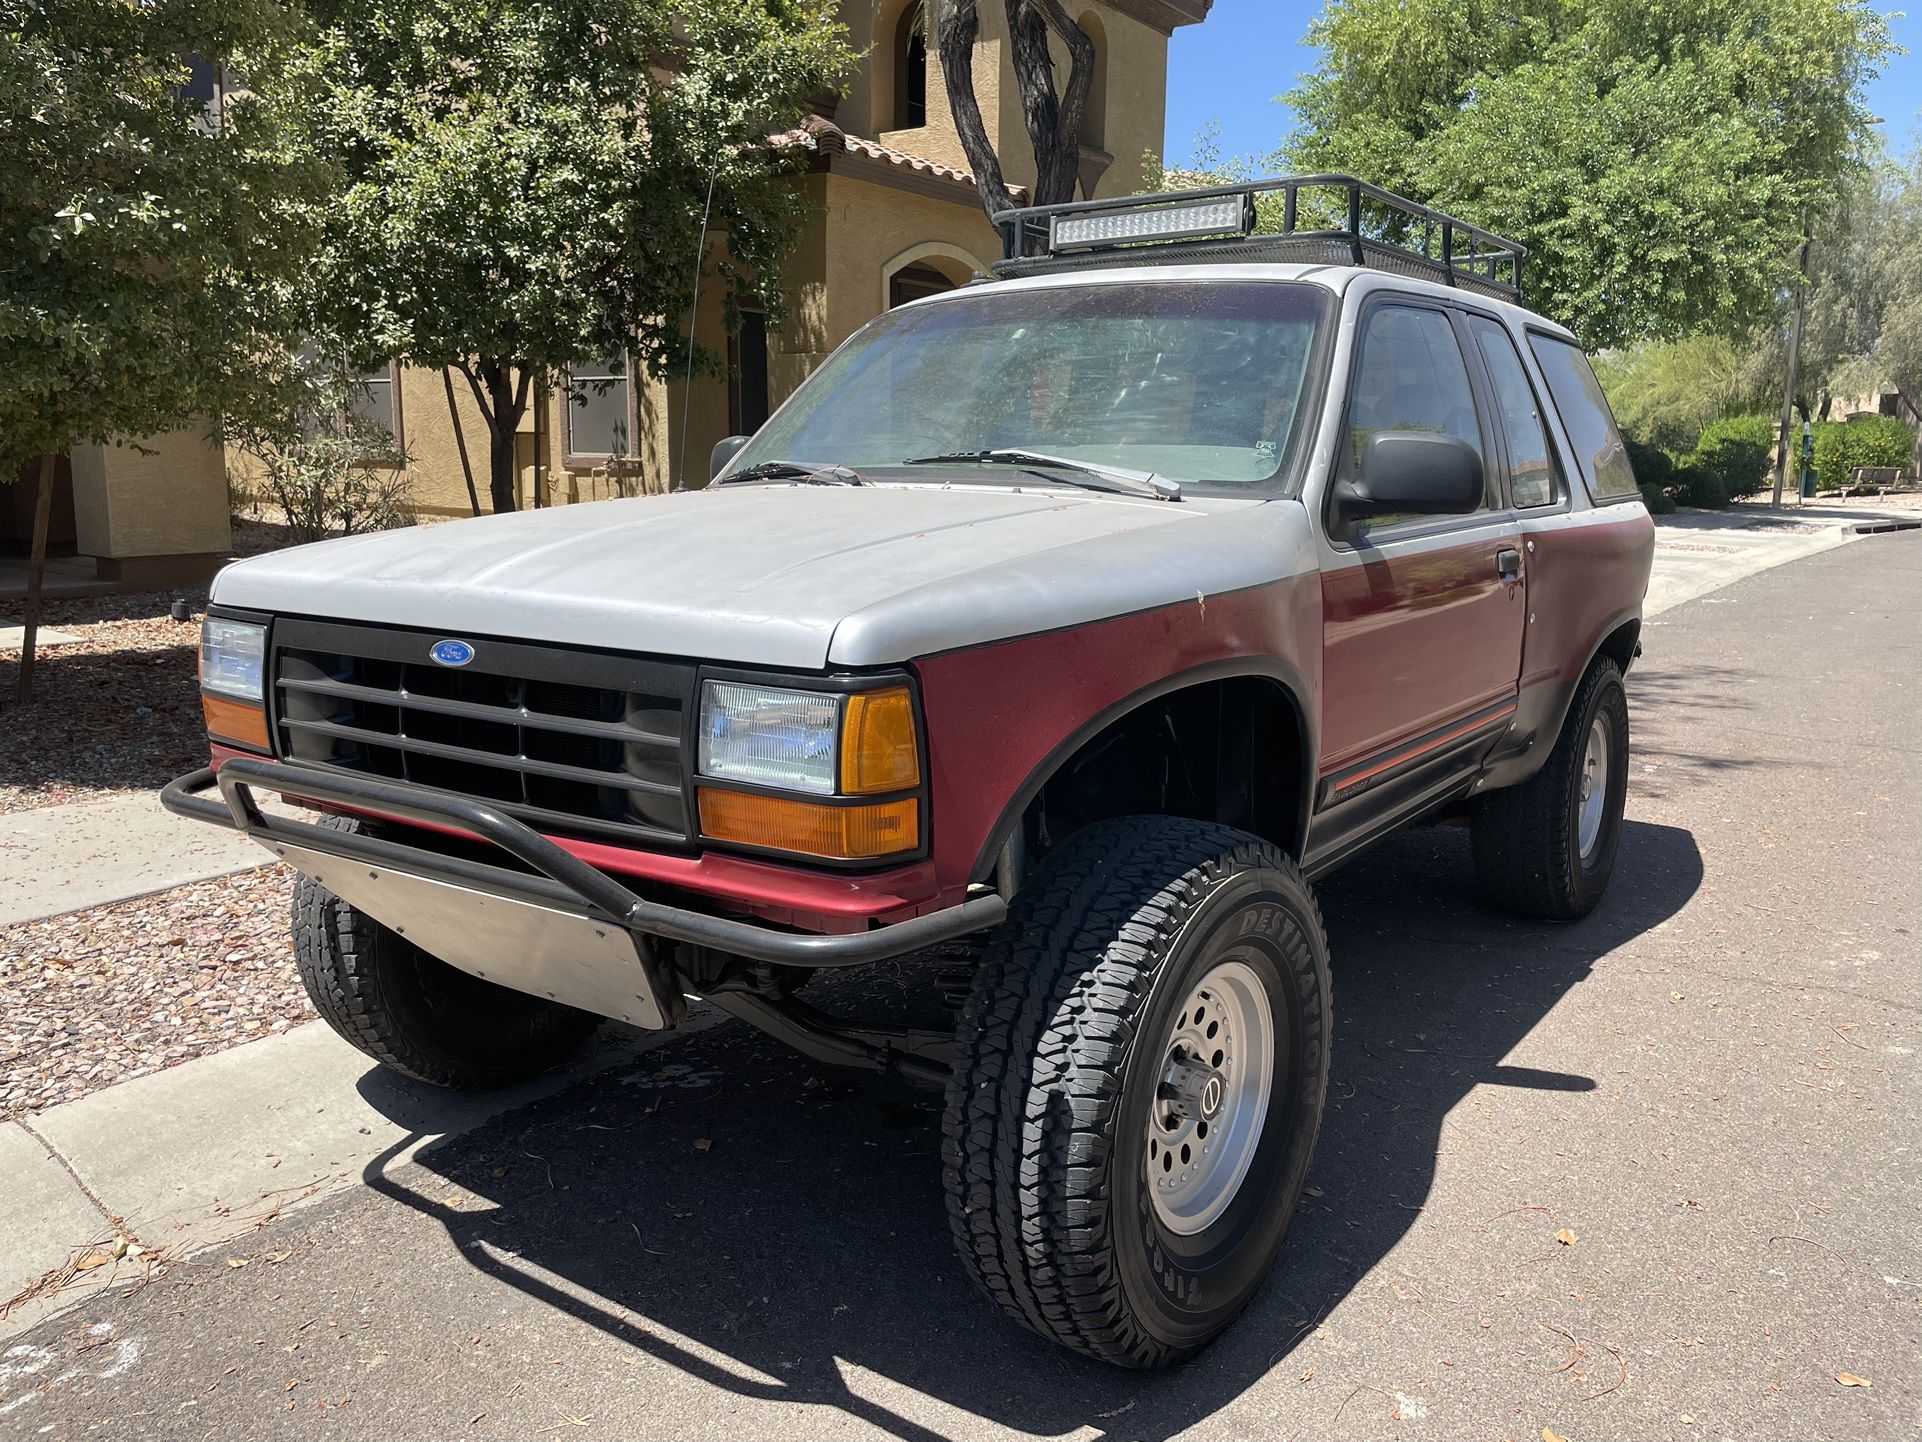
1656,156
1664,393
148,240
527,182
1895,263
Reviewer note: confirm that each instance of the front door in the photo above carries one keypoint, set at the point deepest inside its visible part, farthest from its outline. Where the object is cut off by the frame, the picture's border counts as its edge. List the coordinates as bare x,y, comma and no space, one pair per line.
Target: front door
1423,615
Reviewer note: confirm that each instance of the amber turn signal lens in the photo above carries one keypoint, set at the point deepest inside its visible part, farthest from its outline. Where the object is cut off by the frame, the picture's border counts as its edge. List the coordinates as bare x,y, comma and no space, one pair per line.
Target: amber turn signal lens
235,721
878,748
841,833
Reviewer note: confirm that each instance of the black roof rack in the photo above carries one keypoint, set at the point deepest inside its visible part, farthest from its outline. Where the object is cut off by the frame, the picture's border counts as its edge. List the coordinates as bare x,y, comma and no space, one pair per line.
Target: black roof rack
1314,219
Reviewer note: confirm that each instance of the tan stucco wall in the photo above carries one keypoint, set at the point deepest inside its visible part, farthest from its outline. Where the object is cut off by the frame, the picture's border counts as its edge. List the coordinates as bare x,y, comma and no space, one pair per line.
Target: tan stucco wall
170,501
427,434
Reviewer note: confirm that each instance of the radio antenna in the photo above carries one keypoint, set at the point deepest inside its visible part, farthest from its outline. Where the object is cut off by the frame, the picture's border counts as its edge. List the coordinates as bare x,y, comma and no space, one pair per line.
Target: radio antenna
693,315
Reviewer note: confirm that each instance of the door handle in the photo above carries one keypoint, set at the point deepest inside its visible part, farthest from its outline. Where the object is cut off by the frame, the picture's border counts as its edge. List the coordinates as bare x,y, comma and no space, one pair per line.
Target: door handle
1508,563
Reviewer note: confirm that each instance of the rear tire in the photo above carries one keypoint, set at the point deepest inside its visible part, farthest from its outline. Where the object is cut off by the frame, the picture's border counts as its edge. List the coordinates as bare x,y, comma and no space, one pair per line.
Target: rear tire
414,1013
1086,1193
1546,849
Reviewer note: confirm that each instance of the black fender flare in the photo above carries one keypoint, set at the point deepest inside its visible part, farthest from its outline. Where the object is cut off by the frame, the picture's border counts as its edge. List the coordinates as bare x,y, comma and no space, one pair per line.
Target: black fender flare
1282,672
1551,713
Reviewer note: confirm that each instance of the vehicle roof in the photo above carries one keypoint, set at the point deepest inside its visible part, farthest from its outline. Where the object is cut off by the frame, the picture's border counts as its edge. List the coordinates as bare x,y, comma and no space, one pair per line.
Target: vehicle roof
1338,279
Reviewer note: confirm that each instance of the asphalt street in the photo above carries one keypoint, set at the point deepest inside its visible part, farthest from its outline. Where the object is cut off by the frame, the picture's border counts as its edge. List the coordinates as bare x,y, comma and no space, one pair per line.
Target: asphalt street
1654,1175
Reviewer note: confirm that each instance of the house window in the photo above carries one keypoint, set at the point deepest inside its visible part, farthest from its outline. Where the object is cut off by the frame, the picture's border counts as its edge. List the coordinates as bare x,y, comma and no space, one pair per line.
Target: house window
911,68
598,395
915,281
375,398
748,403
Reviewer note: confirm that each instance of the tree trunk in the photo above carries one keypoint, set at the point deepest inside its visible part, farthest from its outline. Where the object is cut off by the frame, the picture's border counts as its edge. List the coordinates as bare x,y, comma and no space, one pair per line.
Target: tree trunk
460,439
1053,121
959,29
500,389
36,575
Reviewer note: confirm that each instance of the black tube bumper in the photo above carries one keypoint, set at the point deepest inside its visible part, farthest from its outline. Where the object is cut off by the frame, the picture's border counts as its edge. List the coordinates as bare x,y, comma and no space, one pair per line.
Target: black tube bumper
558,878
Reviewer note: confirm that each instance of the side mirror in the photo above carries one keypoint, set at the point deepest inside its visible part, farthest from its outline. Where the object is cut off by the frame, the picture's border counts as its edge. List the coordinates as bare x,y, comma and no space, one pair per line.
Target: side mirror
724,451
1419,473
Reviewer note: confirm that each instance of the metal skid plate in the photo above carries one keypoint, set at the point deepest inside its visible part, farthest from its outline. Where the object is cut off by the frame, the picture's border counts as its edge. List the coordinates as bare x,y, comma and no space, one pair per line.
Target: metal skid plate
565,956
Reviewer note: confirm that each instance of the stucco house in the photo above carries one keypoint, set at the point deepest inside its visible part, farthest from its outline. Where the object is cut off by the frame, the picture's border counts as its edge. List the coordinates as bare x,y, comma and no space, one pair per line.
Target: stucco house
894,215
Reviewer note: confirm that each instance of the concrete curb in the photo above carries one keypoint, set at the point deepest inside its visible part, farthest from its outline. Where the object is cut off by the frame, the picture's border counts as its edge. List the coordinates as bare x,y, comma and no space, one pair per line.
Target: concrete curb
190,1158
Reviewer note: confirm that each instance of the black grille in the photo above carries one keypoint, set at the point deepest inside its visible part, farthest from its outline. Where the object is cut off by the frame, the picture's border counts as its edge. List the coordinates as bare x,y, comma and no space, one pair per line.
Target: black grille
579,743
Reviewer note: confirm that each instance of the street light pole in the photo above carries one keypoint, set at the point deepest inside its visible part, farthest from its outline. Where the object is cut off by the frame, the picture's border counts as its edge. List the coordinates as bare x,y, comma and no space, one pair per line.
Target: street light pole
1795,358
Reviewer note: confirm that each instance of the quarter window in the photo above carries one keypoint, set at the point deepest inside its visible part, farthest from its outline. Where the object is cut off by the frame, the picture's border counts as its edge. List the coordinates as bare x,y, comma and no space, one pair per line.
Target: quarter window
1584,409
597,409
1531,467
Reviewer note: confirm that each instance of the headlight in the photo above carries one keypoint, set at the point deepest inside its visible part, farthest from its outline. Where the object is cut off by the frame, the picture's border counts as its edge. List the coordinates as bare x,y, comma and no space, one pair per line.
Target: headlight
838,746
232,659
770,737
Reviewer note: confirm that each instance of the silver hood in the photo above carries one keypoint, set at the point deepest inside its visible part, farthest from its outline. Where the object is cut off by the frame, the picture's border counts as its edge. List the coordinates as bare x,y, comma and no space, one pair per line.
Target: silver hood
792,576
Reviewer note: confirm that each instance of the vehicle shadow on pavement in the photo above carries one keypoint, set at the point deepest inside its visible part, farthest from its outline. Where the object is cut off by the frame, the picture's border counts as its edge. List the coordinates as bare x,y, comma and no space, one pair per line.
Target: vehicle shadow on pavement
776,1231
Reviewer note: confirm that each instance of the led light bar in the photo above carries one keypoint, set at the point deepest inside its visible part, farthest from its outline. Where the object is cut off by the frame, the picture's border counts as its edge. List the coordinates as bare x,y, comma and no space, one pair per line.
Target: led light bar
1226,215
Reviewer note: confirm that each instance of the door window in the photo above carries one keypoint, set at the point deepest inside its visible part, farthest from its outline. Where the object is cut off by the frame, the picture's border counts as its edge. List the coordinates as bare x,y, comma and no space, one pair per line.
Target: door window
1531,465
1411,377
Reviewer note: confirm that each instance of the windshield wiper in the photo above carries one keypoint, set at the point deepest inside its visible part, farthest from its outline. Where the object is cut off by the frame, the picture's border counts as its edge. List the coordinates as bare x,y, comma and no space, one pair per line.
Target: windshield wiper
1119,479
807,475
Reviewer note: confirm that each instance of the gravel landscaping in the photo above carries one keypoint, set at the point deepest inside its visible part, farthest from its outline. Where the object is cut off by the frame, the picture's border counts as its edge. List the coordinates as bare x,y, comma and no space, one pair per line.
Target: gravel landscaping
105,995
116,711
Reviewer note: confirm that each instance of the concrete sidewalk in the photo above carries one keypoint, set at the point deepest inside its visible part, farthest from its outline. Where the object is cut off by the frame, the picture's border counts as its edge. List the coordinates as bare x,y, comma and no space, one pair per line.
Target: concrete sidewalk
62,858
1698,552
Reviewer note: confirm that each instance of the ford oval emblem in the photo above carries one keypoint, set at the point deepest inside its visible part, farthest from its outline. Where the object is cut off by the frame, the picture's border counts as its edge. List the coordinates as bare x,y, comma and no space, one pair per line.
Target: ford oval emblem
452,653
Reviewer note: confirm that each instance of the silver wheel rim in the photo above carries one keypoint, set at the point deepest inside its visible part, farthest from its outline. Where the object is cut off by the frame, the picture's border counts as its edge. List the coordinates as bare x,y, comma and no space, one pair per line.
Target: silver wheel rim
1211,1101
1593,794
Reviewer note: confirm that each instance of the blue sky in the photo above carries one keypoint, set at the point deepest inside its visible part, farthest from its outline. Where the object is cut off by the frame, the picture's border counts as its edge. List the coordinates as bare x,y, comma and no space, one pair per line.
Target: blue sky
1231,68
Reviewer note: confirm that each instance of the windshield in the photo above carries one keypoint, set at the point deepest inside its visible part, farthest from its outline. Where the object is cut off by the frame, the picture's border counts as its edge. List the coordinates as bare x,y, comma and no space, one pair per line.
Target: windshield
1200,383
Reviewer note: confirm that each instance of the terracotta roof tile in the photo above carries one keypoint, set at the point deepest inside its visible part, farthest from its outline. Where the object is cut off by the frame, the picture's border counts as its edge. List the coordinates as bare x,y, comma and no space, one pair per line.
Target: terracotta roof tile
824,137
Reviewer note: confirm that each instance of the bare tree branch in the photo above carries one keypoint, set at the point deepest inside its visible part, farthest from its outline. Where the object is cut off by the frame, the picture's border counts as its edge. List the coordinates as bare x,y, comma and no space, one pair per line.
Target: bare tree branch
959,29
1053,121
460,439
480,394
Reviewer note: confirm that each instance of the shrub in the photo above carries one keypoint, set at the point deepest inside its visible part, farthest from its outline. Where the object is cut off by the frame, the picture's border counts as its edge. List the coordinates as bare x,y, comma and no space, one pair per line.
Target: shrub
1840,446
1737,451
326,470
333,483
1698,486
1658,501
1653,468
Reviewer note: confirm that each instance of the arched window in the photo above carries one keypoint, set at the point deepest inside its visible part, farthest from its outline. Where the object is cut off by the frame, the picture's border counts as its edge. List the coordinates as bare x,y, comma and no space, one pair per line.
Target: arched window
911,68
915,281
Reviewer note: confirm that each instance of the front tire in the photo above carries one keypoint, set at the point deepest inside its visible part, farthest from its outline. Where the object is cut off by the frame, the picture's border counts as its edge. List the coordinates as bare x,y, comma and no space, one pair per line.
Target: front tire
1140,1075
412,1012
1546,849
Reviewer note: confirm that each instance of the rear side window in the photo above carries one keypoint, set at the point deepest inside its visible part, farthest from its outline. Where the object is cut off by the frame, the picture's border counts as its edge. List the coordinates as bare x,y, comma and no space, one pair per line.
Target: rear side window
1591,427
1531,467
